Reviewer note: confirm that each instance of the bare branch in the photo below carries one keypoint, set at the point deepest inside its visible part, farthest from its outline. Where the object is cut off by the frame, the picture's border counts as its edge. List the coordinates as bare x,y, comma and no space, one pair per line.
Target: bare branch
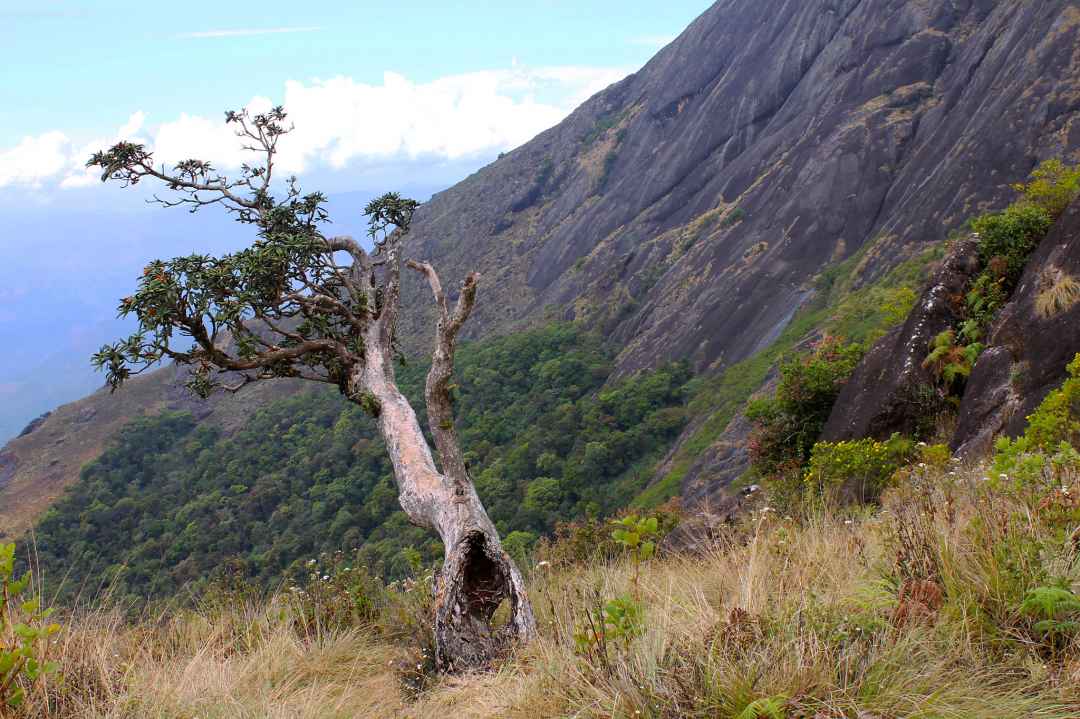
437,387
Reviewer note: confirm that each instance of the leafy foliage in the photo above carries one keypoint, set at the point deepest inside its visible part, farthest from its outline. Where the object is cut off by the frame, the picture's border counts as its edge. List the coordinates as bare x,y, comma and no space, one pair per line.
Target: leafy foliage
1047,448
1053,186
637,536
787,426
1006,240
768,708
172,502
285,305
858,469
26,635
950,361
1055,608
606,630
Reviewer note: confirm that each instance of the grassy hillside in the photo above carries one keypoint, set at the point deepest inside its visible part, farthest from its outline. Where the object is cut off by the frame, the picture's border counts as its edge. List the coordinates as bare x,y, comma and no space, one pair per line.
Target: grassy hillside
926,607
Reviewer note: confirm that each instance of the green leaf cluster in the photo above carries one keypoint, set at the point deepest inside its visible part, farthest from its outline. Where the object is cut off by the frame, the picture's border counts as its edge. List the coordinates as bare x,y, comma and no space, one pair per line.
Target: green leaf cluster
25,634
787,425
856,469
1047,449
1056,610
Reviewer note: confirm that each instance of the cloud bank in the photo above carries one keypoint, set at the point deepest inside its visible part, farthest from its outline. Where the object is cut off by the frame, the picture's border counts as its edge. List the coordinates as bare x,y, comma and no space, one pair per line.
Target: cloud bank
339,123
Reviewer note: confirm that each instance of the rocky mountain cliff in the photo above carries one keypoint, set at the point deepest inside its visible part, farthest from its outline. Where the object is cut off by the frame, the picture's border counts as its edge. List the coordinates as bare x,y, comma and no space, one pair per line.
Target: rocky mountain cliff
684,211
1028,346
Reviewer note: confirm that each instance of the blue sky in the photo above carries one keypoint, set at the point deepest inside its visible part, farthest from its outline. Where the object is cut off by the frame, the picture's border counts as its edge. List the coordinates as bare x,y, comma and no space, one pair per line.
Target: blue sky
411,96
83,70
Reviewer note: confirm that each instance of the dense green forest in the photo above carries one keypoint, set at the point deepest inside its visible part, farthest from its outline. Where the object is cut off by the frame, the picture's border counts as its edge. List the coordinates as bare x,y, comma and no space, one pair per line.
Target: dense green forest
172,503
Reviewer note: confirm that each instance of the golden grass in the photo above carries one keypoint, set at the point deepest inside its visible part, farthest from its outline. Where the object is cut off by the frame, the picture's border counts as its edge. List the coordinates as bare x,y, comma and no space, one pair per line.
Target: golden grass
803,612
1058,292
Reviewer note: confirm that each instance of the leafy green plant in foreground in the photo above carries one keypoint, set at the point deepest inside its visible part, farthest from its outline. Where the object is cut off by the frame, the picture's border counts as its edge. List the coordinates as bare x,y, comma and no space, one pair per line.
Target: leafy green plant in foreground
25,635
608,627
637,536
1057,611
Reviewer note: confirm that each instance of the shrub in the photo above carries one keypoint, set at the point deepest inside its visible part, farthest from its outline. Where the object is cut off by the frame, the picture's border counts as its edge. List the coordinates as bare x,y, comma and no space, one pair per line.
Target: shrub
589,540
1047,448
336,592
1009,238
734,217
787,425
25,635
1053,186
857,469
636,536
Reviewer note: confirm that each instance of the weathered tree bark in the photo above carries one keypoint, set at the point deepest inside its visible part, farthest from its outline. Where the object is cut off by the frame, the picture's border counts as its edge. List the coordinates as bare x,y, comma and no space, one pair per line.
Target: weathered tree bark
286,307
477,574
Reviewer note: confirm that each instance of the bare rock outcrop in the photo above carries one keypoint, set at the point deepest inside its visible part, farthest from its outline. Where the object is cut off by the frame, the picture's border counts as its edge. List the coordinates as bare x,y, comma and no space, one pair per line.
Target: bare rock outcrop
890,391
1033,339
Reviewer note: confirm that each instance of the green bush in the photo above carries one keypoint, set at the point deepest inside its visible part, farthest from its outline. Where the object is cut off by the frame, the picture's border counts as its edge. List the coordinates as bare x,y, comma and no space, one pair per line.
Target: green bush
856,469
26,635
1047,448
1009,237
1053,186
1006,240
787,425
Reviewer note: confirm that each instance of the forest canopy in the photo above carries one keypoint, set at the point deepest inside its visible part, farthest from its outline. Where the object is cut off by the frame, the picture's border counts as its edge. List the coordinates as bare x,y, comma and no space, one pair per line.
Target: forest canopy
173,502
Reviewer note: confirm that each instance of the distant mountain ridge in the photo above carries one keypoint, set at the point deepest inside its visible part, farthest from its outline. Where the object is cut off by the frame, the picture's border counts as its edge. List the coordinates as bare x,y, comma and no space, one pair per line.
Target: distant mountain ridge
684,211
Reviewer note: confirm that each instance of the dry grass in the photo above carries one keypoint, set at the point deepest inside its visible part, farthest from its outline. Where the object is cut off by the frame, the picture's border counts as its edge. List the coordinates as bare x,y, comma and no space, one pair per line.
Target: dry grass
807,613
1058,292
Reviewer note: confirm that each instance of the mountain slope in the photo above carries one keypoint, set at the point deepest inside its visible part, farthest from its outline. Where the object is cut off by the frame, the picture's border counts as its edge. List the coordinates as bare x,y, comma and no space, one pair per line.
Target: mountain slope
685,211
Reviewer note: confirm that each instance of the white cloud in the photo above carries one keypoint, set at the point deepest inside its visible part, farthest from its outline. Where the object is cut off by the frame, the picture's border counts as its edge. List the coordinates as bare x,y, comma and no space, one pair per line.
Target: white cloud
78,175
34,159
247,32
132,126
341,122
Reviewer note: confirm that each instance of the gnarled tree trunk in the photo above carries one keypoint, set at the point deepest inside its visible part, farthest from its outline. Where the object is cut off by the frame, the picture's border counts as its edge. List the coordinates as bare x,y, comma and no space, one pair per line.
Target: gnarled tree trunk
477,574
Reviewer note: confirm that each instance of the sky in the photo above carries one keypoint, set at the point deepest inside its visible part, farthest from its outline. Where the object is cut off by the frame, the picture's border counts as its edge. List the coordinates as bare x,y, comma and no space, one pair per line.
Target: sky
411,96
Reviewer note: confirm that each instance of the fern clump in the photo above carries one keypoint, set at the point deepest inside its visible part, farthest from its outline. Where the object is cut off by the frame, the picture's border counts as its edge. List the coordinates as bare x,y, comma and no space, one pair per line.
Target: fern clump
951,361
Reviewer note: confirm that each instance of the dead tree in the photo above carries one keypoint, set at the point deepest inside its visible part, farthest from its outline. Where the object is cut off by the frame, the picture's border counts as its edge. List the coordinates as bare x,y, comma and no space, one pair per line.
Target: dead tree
300,304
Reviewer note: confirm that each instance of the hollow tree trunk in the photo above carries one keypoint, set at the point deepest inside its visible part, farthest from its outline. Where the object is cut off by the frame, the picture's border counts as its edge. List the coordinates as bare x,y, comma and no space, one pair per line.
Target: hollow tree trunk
477,574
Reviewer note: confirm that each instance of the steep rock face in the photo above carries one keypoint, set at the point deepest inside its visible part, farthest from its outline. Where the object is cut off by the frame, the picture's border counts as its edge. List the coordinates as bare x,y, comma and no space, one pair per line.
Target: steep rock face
890,389
1029,345
683,210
